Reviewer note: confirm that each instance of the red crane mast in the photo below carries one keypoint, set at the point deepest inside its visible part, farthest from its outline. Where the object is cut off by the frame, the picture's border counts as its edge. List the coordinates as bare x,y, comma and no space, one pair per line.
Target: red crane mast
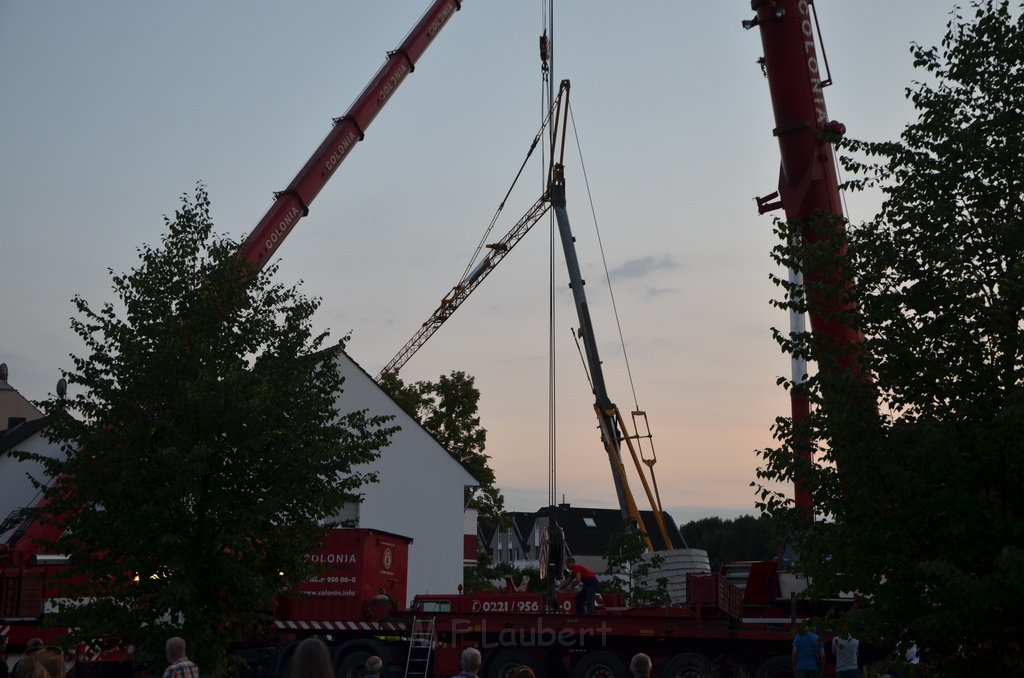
808,184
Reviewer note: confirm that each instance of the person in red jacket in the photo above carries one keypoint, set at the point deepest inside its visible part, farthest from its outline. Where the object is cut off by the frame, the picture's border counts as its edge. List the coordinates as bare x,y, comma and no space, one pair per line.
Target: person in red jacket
585,577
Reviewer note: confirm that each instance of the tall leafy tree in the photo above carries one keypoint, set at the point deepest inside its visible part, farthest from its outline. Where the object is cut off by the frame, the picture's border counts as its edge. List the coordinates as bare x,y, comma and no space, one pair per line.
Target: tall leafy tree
448,408
203,450
731,539
920,502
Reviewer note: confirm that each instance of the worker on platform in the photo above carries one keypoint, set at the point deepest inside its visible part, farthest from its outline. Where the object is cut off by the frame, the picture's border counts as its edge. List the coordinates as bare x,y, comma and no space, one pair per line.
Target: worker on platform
580,575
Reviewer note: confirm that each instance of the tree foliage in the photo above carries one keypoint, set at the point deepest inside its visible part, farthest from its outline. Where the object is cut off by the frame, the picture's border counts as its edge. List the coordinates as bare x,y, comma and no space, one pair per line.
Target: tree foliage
448,408
920,502
726,540
631,570
203,450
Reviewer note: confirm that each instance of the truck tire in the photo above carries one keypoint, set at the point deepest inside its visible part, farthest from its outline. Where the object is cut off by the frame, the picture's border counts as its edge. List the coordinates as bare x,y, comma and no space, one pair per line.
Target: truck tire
352,665
502,664
776,667
599,664
690,665
734,671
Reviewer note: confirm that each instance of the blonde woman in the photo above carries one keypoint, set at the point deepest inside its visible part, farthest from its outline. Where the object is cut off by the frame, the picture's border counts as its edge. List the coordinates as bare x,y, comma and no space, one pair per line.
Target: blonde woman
47,662
312,659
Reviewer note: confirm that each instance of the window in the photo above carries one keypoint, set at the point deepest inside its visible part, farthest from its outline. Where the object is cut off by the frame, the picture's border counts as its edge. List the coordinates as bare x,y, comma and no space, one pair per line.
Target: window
589,522
436,605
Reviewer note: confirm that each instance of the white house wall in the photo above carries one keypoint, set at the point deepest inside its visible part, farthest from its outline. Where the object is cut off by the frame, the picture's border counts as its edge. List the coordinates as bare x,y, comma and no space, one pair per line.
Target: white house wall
419,493
16,490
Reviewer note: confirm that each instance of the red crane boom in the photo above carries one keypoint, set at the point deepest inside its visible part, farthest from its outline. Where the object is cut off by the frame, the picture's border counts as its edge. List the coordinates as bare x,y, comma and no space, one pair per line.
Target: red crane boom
292,203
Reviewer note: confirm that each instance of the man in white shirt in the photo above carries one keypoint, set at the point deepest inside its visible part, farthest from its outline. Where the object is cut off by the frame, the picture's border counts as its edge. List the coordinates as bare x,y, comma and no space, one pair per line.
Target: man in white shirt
844,647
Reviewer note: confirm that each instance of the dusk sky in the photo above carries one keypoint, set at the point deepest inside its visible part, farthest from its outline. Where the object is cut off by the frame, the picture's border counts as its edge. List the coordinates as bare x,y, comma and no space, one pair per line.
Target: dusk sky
112,110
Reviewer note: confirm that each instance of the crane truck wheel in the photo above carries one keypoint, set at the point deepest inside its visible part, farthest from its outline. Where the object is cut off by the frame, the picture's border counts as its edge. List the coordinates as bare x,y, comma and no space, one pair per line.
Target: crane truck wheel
690,665
502,664
352,665
599,664
776,667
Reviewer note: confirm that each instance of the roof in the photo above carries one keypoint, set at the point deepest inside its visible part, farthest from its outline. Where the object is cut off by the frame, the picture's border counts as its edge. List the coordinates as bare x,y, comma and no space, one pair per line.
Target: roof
398,407
13,405
18,434
523,522
587,530
521,525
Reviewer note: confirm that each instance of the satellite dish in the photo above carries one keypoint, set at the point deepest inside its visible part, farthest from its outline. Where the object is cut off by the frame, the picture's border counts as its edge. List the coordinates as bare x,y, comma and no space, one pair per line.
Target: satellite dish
62,387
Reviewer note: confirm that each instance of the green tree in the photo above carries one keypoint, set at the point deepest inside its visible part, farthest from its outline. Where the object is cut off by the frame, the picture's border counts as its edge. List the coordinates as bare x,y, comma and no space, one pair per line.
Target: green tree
920,503
448,408
631,571
741,538
203,450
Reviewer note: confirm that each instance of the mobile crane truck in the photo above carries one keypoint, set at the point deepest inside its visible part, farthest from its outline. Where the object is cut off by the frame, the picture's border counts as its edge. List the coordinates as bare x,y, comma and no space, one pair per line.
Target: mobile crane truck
734,623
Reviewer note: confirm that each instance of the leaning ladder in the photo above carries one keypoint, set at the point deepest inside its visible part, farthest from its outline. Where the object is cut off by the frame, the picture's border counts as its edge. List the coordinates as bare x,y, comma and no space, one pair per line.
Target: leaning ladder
421,645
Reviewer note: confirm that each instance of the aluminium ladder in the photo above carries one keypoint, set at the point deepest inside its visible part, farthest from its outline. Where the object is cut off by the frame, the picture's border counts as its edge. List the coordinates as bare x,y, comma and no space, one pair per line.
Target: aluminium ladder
421,646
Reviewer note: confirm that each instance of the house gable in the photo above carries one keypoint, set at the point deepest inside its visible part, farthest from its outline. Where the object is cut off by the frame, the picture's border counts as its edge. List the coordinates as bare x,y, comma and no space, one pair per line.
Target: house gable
361,391
14,407
420,488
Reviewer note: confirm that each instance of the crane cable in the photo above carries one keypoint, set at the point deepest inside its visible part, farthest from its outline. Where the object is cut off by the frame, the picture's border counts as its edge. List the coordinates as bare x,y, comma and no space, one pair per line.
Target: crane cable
501,205
547,54
547,58
604,260
650,488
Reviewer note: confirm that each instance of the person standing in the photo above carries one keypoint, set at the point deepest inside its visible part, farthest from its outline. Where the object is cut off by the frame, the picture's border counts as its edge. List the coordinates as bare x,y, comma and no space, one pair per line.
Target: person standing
31,647
640,666
312,659
585,577
470,662
808,654
179,665
845,649
44,662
